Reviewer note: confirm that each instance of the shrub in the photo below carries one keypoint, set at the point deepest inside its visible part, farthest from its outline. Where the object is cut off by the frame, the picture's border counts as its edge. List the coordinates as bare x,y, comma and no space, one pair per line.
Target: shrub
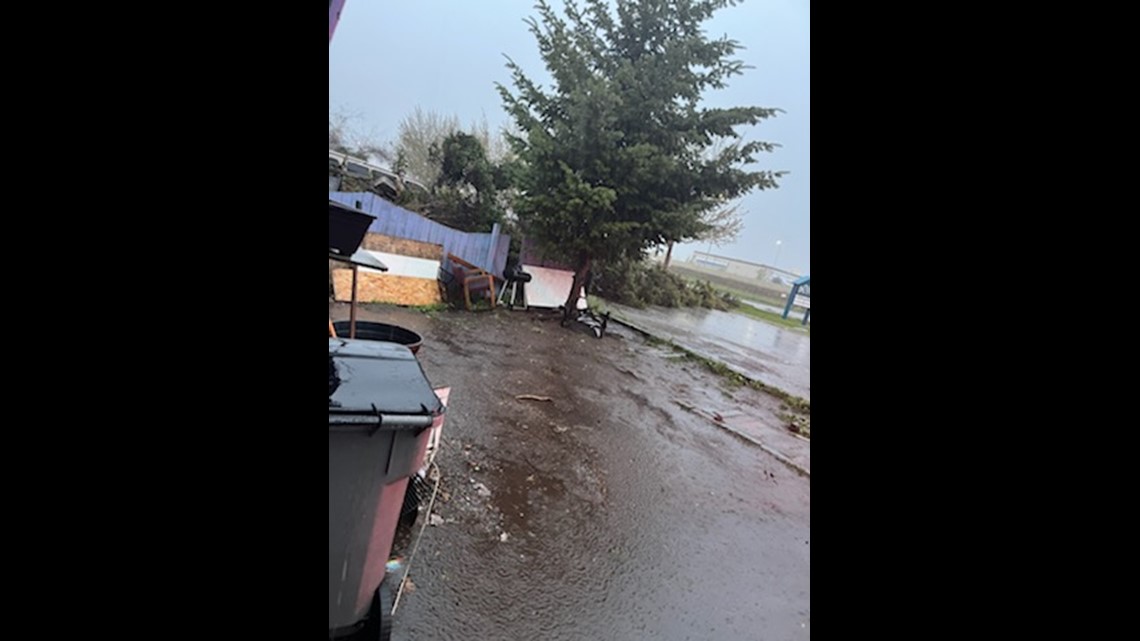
638,284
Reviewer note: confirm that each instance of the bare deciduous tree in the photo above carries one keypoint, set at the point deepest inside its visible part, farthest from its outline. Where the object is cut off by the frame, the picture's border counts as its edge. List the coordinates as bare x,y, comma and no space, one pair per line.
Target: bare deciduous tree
725,224
419,132
495,143
346,137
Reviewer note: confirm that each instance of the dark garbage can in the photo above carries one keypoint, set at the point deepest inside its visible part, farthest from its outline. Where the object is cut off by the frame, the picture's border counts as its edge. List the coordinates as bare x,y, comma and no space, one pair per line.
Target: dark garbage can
381,407
369,331
347,228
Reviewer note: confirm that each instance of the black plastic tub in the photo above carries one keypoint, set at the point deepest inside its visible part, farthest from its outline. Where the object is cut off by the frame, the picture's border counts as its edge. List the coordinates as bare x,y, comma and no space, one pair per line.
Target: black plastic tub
383,332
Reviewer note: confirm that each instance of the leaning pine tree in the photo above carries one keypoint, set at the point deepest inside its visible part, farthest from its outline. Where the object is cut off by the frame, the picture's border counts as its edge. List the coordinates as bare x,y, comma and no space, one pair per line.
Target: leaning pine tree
618,155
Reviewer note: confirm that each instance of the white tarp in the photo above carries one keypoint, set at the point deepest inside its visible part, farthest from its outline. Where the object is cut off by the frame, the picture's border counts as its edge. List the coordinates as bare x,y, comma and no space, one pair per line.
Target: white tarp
548,288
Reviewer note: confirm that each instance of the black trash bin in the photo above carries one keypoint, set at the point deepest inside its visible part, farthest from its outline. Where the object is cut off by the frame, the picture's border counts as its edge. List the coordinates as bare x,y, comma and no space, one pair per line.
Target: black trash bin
381,407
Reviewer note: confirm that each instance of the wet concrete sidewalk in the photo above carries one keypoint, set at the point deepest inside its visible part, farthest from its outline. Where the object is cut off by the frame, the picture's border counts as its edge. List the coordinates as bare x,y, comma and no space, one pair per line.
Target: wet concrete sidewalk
758,350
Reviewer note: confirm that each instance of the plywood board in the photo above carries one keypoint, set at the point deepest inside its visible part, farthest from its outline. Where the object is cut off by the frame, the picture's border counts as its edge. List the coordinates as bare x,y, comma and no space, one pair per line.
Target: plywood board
402,246
385,288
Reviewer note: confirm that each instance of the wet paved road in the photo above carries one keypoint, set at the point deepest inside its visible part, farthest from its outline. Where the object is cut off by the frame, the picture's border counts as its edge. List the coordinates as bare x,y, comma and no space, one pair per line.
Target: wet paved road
759,350
625,516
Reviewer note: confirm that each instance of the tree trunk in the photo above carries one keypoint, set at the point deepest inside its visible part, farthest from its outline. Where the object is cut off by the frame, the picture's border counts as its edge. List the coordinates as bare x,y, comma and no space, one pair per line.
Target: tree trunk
669,256
570,310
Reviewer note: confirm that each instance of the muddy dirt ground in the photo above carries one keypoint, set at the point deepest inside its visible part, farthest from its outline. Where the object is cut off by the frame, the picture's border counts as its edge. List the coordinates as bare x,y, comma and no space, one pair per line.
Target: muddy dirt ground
609,512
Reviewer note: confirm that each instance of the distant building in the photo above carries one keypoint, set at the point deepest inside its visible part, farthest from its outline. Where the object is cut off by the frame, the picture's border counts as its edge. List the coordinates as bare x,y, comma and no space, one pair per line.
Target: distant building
742,269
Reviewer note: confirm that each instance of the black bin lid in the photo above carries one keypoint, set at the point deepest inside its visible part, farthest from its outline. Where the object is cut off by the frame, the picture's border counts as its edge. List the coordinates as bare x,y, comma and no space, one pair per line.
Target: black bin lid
366,377
347,228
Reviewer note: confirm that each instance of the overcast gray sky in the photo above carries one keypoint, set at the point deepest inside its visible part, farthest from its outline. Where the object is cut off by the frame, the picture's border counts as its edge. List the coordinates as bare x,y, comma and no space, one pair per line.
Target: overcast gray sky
387,57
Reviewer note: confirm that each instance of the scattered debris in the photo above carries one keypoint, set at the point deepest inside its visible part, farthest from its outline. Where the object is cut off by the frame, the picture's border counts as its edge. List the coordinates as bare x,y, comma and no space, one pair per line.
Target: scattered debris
532,397
688,407
504,537
435,520
628,372
718,419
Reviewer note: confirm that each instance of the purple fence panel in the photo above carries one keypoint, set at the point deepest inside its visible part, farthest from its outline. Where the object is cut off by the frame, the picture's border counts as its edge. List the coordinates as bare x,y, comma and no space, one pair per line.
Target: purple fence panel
392,220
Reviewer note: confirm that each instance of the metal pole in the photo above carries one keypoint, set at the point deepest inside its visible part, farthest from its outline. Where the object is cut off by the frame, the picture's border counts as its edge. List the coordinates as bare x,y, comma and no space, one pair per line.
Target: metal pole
352,309
791,301
492,253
